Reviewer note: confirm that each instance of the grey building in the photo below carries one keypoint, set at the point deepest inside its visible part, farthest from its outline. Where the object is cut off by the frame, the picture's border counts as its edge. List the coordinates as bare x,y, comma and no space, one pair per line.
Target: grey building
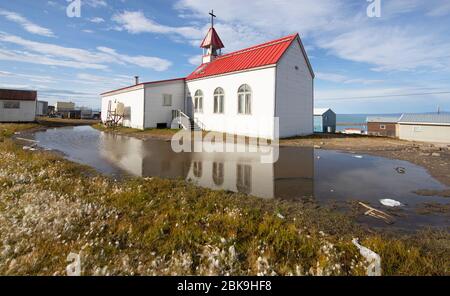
433,128
324,120
41,108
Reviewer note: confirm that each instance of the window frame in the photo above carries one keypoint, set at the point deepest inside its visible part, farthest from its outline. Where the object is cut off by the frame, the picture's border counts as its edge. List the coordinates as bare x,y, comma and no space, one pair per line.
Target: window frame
9,105
245,94
170,96
198,101
382,127
219,101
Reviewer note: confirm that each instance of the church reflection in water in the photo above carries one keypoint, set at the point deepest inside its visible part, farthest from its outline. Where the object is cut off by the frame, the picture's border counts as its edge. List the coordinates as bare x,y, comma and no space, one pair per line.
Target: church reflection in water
292,176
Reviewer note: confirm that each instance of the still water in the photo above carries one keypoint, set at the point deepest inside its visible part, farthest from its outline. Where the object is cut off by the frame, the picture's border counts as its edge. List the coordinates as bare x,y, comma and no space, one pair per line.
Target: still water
300,173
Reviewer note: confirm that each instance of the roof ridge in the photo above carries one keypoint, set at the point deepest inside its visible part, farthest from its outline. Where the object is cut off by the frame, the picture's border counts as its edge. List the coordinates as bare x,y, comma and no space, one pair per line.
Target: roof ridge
143,84
259,46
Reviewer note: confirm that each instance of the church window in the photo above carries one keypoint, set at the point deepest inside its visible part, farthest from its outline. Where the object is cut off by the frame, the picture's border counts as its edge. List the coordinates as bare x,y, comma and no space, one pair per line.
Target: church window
245,100
219,96
198,101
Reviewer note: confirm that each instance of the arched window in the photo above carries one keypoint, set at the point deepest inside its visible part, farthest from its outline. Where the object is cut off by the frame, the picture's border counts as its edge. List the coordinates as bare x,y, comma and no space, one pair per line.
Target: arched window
218,173
219,96
198,101
245,99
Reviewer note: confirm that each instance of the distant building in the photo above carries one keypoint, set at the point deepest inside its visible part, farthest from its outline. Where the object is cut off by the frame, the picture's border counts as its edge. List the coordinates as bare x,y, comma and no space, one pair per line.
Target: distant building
50,110
353,131
324,120
86,113
67,110
383,126
41,108
425,127
17,105
64,106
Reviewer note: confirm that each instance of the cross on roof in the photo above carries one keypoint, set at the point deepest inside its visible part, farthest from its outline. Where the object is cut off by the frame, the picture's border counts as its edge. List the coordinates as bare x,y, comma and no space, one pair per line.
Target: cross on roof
212,18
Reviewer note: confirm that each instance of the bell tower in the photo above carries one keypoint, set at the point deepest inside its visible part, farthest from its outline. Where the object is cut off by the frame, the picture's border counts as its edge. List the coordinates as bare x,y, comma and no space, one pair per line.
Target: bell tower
212,45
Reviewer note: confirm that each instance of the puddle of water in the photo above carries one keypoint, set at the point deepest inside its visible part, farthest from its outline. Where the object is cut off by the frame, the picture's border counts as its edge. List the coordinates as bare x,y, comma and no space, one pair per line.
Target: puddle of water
323,175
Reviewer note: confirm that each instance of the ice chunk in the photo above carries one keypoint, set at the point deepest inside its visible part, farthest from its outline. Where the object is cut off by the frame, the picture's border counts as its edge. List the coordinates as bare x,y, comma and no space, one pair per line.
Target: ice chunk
390,203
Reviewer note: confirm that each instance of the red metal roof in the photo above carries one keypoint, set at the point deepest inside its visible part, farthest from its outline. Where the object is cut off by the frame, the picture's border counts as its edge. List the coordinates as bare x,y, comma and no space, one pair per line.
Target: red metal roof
143,83
18,95
253,57
212,39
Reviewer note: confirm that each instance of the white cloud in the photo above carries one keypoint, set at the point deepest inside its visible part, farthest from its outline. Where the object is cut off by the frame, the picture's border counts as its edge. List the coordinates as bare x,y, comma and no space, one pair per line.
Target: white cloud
195,60
110,80
27,57
97,20
56,55
95,3
432,8
135,22
26,24
268,16
340,27
391,48
154,63
339,78
440,10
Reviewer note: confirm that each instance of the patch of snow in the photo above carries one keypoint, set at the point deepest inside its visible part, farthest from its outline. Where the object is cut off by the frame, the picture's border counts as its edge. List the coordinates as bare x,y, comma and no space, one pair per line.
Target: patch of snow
390,203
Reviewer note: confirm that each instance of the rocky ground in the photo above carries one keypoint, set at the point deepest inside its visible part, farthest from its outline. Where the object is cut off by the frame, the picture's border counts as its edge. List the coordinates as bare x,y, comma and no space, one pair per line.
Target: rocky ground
51,208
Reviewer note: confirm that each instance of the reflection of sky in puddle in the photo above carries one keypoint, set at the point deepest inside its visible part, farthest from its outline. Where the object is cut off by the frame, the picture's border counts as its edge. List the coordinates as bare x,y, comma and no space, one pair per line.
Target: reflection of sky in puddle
299,172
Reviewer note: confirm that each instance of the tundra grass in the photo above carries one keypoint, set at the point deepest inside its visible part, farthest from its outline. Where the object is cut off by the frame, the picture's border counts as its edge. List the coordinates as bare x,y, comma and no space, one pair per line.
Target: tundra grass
51,207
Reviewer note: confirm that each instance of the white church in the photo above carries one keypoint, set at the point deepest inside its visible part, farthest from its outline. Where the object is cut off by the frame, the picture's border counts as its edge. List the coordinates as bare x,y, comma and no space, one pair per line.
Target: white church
264,91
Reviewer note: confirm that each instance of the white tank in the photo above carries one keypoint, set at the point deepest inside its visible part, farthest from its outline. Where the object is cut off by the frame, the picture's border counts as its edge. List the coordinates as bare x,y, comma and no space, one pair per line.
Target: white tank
118,108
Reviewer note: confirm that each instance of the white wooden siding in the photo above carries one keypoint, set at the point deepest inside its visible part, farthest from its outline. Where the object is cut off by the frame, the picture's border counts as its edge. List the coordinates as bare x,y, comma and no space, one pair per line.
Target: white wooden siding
155,112
424,133
294,94
134,107
259,124
26,112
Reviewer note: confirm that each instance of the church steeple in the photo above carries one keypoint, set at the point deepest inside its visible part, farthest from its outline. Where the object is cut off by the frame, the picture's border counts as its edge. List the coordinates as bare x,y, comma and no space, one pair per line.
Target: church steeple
212,45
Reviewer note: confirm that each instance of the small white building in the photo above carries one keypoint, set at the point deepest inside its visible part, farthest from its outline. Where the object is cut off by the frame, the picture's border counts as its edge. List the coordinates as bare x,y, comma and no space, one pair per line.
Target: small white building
17,105
433,128
149,104
242,93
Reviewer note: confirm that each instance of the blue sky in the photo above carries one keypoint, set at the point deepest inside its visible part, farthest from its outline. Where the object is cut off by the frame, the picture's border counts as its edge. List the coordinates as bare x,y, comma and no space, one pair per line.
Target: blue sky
363,65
